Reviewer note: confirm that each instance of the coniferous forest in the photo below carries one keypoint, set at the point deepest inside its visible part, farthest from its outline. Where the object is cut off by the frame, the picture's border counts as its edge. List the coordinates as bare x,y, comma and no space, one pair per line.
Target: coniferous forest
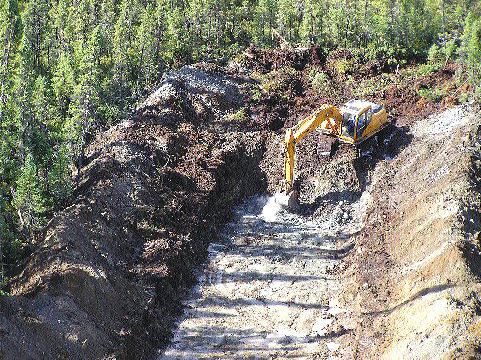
71,68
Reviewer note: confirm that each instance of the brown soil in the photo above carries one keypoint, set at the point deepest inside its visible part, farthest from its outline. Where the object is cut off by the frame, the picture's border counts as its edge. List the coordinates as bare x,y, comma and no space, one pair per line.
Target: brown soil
108,277
414,273
294,97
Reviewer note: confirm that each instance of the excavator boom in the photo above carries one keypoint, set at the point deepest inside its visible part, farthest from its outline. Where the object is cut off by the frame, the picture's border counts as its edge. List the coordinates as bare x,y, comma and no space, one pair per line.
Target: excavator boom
327,117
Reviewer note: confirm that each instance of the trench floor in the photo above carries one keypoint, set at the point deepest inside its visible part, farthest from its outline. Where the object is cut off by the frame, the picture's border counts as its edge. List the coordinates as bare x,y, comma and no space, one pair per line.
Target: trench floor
269,287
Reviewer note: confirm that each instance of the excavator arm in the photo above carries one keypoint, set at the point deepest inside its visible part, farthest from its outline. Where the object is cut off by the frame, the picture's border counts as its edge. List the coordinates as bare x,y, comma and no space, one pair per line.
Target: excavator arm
327,117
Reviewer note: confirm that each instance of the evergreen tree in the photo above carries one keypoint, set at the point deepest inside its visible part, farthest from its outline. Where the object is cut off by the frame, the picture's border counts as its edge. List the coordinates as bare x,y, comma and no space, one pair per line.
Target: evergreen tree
28,199
471,50
39,144
85,104
23,89
313,22
63,85
8,31
148,45
125,53
177,38
36,30
288,20
265,21
59,177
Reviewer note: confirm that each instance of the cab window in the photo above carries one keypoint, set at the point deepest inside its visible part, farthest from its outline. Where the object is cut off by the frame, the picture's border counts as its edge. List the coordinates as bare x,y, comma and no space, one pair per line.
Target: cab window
362,123
348,125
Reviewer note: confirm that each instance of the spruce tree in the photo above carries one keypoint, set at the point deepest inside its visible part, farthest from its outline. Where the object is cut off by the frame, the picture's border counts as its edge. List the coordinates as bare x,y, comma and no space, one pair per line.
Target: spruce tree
24,84
470,50
84,108
265,21
63,84
8,31
28,199
59,177
39,144
125,54
148,45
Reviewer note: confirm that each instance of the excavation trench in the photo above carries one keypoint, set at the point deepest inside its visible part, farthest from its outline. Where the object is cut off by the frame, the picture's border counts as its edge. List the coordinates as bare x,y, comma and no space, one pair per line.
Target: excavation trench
381,245
269,288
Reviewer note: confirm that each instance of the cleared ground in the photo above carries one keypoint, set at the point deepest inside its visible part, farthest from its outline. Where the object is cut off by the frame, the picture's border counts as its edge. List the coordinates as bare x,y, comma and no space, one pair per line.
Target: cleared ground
269,289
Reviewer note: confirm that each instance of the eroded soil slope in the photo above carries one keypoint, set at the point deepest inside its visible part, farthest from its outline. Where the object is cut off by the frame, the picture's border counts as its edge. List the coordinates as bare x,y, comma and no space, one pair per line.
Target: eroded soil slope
415,269
106,278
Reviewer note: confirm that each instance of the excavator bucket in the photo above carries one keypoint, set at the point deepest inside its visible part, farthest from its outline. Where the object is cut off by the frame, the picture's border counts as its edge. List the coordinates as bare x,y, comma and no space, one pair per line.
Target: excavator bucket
288,200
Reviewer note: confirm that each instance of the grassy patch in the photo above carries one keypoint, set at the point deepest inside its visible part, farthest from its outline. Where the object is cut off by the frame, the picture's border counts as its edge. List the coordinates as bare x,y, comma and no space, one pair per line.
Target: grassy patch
432,94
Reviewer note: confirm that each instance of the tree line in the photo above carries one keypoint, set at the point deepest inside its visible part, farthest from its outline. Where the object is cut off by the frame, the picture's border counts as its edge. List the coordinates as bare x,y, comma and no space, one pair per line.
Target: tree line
71,68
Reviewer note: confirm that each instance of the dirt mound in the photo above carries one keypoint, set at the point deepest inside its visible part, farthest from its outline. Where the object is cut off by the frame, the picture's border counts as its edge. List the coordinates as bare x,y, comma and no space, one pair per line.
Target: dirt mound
107,278
406,103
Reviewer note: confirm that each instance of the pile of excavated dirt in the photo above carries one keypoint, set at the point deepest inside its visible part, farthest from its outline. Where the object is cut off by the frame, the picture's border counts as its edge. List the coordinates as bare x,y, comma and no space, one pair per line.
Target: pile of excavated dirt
107,278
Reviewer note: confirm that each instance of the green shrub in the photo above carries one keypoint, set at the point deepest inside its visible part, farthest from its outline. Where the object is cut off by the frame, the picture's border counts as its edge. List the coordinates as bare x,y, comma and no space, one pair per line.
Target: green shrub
430,94
59,177
278,81
29,200
239,116
450,48
463,97
434,62
319,80
256,94
435,55
343,66
368,87
426,69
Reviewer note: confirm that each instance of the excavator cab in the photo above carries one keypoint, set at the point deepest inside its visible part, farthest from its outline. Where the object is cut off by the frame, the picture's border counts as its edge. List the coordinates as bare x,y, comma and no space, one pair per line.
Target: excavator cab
348,124
360,120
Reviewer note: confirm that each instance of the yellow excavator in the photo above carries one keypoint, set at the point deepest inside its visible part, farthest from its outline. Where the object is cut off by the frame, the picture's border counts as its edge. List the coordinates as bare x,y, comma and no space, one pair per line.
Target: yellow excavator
354,122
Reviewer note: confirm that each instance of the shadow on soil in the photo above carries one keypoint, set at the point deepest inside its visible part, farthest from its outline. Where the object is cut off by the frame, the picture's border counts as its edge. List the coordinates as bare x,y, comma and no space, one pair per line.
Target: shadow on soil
232,341
418,295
